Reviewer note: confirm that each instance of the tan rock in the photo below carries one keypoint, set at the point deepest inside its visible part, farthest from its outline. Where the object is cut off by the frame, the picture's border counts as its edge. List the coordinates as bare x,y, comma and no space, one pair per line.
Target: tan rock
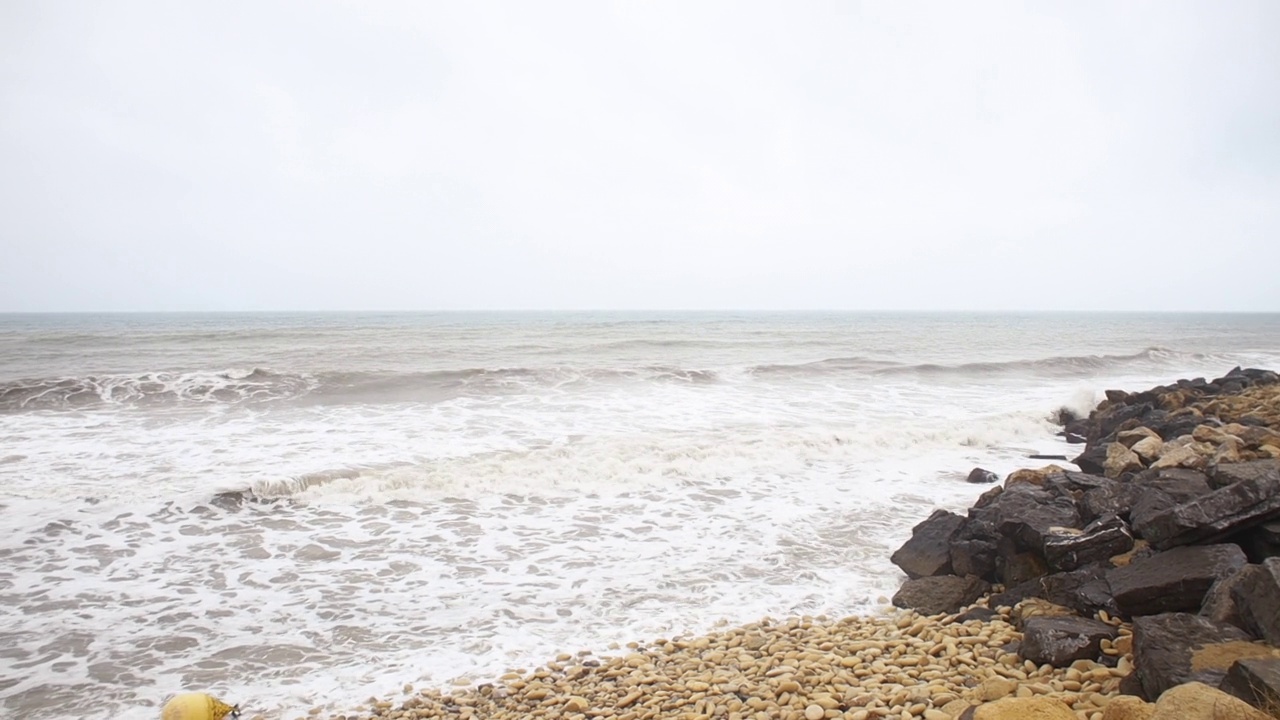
1229,451
1037,607
1120,460
1129,438
1270,450
1028,476
1127,707
994,689
1031,708
1148,448
1197,701
1183,457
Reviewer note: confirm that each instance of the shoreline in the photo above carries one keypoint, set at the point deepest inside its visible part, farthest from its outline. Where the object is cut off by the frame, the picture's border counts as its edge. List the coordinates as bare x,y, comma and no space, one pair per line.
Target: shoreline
892,664
896,665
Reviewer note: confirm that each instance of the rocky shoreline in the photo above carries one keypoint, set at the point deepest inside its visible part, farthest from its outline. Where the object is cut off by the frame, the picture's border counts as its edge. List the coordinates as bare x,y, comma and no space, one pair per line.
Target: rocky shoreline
1144,586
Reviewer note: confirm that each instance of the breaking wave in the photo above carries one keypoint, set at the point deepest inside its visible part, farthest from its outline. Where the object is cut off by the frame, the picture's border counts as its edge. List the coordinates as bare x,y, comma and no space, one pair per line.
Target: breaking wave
258,385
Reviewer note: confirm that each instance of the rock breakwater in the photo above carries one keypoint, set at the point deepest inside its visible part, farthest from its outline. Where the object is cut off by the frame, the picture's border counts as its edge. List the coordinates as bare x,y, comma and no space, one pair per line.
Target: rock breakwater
1172,522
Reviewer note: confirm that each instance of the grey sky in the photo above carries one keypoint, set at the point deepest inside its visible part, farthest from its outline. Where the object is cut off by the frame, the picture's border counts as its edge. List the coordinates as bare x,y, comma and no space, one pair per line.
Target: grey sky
321,155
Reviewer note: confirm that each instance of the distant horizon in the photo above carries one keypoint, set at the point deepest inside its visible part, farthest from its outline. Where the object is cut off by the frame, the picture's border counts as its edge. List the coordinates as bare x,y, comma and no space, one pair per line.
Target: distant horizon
651,311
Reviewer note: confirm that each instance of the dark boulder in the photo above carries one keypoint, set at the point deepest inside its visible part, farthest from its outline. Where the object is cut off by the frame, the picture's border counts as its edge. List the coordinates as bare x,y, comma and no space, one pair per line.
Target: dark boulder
1115,498
974,556
1219,604
980,476
1027,514
1085,590
1173,581
1160,490
1100,540
928,552
1170,649
1093,460
1016,565
1259,542
940,594
1226,474
1074,485
1257,597
1213,516
1060,641
1254,680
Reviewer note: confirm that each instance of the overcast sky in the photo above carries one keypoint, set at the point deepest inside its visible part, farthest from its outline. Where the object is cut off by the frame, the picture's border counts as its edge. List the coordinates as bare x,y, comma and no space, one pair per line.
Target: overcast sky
600,155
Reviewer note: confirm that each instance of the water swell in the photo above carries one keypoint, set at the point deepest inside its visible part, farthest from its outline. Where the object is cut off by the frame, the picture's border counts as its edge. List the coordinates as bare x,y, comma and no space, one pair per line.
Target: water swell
152,389
259,385
1152,358
158,389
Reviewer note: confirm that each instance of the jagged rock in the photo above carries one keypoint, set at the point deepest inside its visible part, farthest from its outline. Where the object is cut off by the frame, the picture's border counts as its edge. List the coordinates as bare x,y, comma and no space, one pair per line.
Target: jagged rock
978,475
1256,593
1173,581
1129,438
928,551
1120,460
1228,510
1181,457
1116,498
1098,541
1219,604
1197,701
940,594
1254,680
1174,648
1060,641
1231,473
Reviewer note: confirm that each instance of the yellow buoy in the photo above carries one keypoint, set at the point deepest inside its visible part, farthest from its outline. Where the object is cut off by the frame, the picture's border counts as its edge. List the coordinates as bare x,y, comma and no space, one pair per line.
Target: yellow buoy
197,706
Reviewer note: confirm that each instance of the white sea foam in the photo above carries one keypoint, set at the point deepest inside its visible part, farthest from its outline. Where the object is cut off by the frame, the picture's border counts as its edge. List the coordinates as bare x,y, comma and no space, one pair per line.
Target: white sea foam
293,553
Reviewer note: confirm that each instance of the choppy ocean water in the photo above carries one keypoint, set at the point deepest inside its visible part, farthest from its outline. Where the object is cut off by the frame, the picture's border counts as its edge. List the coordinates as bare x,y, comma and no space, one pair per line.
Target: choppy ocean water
299,510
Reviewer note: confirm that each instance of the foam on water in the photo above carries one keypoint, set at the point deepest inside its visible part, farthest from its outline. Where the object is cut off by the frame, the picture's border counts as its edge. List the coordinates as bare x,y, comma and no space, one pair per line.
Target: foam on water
314,549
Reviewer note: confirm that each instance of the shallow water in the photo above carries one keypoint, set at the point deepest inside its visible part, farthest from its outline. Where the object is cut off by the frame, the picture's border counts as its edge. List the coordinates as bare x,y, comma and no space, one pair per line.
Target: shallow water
292,510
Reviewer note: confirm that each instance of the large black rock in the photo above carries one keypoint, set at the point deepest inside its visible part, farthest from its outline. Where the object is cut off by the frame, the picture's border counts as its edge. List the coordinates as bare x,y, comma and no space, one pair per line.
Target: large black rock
1165,645
1213,516
1099,541
1257,597
1060,641
1085,590
1219,604
1226,474
1254,680
1173,581
940,593
1159,491
928,552
1116,499
1027,514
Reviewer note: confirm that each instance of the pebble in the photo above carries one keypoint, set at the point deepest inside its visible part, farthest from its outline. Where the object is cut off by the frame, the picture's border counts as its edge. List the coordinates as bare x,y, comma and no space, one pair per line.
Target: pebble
901,666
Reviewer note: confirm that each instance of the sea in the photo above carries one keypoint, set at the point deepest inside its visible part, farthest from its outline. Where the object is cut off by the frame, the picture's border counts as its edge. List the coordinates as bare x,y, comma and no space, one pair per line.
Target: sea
308,510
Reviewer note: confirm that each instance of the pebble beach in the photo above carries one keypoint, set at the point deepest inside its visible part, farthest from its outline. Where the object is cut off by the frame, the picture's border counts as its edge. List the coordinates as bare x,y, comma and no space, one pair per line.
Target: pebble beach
896,665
